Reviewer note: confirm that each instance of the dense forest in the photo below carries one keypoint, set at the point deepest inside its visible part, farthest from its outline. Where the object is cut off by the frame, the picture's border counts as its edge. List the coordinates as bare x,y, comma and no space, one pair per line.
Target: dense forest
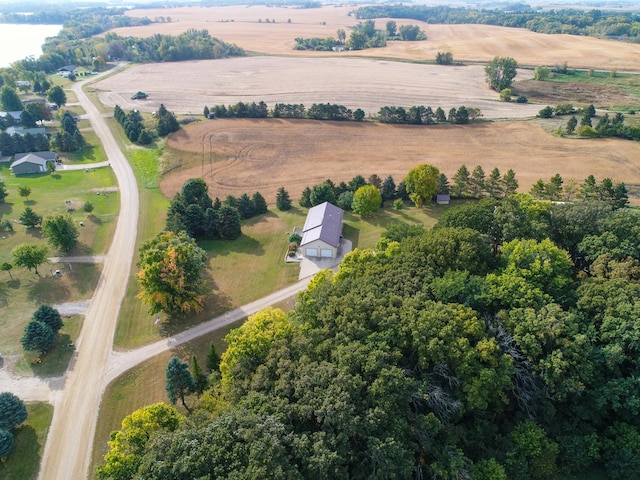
595,23
501,344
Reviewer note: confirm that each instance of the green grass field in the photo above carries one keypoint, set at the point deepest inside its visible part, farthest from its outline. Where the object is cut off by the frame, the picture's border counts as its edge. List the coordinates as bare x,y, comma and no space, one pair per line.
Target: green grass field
22,291
23,462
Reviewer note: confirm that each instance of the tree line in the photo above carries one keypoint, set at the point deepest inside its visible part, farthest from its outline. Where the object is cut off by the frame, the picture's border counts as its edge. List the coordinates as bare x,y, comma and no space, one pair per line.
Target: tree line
607,126
416,115
364,35
487,363
594,23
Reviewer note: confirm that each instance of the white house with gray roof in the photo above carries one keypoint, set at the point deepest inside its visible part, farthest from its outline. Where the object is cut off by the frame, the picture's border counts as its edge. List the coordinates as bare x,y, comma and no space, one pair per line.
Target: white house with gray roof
322,231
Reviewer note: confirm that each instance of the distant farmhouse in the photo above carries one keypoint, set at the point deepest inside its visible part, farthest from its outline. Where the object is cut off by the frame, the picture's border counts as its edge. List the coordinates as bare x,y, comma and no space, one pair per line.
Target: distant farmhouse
15,115
33,162
322,231
67,70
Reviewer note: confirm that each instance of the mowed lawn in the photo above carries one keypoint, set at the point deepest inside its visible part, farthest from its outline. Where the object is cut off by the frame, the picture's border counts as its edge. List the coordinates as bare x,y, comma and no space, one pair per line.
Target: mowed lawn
23,462
22,291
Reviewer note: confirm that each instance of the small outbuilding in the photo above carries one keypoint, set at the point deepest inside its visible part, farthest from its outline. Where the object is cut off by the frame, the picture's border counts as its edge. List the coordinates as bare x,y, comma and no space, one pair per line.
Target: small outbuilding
23,131
32,162
322,231
443,199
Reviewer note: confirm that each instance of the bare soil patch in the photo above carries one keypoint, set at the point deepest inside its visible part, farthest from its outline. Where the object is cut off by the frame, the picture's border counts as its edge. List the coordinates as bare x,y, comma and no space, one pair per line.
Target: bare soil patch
354,82
247,27
263,155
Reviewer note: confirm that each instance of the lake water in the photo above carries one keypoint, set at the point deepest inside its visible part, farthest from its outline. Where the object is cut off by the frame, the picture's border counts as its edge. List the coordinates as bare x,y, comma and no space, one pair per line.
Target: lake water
18,41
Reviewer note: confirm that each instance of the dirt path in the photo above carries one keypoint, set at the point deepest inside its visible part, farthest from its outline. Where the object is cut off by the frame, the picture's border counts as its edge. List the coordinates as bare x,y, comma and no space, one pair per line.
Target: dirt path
68,449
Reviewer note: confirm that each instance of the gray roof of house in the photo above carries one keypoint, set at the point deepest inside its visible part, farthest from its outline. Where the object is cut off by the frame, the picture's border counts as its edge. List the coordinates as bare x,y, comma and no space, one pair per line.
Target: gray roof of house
38,158
324,222
24,131
15,114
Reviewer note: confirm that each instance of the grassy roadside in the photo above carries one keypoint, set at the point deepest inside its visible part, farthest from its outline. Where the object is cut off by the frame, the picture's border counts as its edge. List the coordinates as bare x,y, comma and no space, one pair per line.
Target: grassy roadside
23,462
144,385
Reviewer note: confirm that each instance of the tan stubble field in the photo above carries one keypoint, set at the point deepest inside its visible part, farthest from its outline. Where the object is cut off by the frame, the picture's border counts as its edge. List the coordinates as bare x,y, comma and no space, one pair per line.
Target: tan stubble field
264,155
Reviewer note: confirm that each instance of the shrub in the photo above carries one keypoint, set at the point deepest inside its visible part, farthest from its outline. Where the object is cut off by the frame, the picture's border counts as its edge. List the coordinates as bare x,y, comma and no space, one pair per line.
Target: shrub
546,112
587,131
295,238
522,99
398,204
505,95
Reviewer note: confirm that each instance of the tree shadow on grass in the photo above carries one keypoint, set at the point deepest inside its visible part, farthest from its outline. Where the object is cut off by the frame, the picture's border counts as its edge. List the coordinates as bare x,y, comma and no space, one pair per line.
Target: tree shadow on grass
93,219
88,280
24,459
351,233
48,290
216,303
55,362
244,244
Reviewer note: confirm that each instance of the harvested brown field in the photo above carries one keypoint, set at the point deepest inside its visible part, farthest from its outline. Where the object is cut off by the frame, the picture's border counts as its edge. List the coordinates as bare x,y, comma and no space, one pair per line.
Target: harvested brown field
263,155
467,43
353,82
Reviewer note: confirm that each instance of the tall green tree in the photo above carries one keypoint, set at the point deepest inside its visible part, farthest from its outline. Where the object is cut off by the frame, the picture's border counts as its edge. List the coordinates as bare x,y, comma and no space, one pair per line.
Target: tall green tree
283,201
170,274
461,182
199,378
259,204
30,256
12,411
213,359
61,232
38,337
9,100
500,72
29,218
229,227
179,382
56,95
321,193
49,316
126,446
421,183
366,200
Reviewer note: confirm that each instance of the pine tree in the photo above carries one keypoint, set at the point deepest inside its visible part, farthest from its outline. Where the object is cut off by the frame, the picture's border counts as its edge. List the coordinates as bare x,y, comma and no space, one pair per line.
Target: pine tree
213,359
178,381
198,375
305,199
283,201
259,204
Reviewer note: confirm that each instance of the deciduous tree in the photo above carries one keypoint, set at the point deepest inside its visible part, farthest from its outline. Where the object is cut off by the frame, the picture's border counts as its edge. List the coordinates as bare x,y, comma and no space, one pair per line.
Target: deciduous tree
366,200
24,191
421,183
61,232
500,72
170,275
127,445
30,255
56,95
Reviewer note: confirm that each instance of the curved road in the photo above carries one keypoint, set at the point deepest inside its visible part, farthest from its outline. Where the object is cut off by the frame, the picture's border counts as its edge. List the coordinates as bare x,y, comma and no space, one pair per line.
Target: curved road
68,449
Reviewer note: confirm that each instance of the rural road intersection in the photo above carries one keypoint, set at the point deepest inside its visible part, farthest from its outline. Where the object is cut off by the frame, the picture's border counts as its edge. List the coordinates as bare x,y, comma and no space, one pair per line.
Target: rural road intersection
76,396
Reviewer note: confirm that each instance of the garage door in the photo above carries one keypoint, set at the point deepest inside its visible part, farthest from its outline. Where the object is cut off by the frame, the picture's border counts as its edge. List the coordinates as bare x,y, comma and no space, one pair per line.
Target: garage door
326,252
311,252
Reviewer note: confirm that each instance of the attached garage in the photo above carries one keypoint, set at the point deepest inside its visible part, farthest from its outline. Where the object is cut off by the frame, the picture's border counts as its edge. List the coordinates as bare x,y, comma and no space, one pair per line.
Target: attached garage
322,231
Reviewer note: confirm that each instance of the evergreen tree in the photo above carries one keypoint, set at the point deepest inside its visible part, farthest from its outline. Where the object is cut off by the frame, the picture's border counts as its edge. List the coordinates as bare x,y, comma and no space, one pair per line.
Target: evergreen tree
6,443
179,382
461,182
38,337
199,378
245,207
49,316
509,183
213,359
12,411
259,204
305,199
29,218
442,187
229,227
283,201
388,189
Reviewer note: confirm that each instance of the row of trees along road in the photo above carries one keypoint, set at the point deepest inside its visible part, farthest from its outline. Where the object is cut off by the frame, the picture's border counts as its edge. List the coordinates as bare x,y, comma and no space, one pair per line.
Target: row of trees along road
517,361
